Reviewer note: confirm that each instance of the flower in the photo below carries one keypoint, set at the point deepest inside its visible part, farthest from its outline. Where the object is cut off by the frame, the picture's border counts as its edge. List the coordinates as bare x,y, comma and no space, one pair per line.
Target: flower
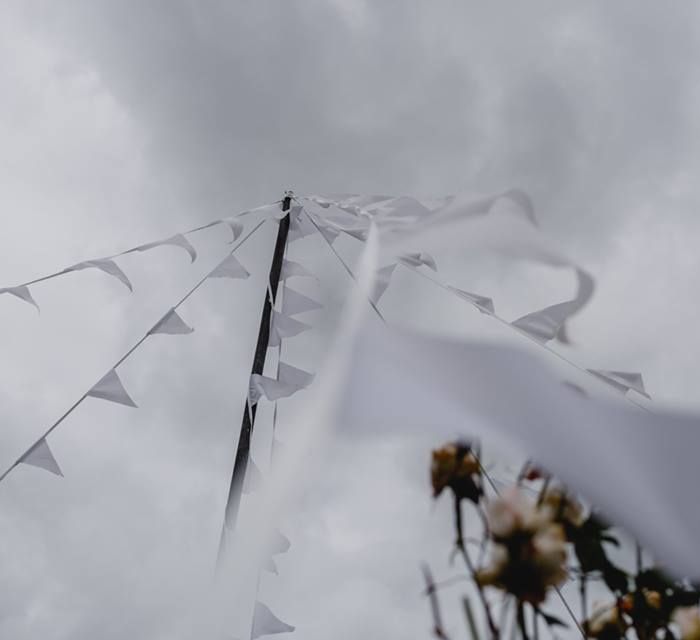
606,622
688,621
529,551
455,466
562,507
513,513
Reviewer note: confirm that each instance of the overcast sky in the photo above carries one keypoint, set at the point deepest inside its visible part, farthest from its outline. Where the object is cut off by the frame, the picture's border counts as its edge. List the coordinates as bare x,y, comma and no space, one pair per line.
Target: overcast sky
123,122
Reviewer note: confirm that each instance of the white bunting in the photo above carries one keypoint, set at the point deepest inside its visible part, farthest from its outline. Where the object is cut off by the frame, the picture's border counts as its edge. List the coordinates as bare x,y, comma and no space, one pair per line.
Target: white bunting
294,302
482,303
107,265
549,323
178,240
230,267
111,388
291,269
382,277
253,477
299,226
622,380
22,292
289,381
266,623
278,543
419,259
40,456
329,233
284,327
236,227
171,323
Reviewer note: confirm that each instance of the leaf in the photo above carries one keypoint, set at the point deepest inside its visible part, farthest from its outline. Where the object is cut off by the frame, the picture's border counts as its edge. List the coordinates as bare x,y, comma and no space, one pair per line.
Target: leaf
615,578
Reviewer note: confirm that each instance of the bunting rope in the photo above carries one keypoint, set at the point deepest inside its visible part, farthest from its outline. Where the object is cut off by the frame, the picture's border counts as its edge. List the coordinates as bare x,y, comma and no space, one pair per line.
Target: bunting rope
109,386
525,334
478,302
107,264
342,262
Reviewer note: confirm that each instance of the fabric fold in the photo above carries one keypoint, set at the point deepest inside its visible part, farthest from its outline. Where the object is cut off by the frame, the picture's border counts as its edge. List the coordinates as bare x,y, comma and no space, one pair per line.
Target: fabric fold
550,323
266,623
382,278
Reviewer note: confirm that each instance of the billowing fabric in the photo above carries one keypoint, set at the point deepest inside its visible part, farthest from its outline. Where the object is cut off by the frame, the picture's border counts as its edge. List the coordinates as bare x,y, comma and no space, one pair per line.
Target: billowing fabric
266,623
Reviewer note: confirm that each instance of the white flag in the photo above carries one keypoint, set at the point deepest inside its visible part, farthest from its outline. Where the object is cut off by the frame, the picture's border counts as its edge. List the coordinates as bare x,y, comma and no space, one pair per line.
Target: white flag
419,259
289,381
299,226
22,292
107,265
230,267
266,623
294,302
171,323
111,388
482,303
329,233
284,327
291,269
236,227
549,323
622,380
178,240
253,477
628,463
40,456
278,543
382,277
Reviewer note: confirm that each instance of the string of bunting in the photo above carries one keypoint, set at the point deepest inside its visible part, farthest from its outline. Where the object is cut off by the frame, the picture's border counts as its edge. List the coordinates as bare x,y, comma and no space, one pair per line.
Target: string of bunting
110,267
110,386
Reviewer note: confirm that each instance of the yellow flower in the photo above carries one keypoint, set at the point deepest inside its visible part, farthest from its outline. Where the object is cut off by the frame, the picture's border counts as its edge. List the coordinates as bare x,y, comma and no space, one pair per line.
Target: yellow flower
455,466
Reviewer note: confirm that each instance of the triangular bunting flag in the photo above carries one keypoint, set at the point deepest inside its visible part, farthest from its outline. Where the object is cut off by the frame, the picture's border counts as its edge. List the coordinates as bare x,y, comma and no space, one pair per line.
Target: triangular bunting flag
230,267
482,303
290,381
419,259
22,292
236,227
107,265
549,323
253,477
266,623
294,302
172,324
328,233
299,227
284,327
382,277
40,456
291,269
178,240
279,543
622,380
269,565
111,388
